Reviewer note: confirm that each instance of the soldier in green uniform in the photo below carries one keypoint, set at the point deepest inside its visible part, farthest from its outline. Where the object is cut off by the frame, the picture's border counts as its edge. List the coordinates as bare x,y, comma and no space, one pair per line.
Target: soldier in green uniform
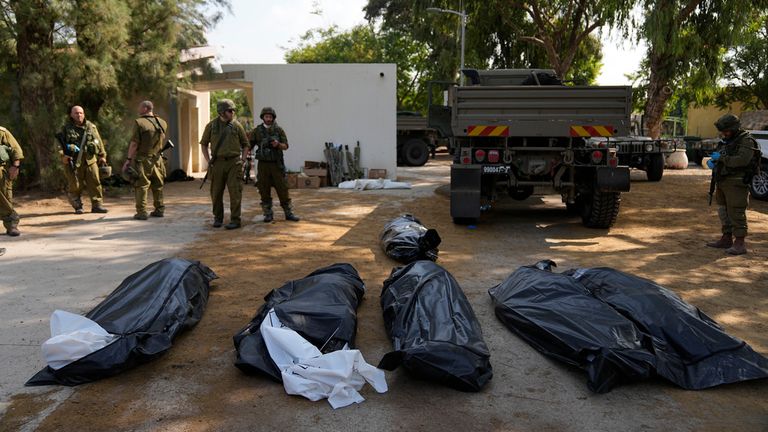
732,165
83,139
225,161
268,141
10,160
145,158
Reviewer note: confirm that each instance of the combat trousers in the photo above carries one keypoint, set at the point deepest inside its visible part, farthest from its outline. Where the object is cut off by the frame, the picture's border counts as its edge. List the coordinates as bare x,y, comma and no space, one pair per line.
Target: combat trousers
271,174
7,214
225,173
151,175
85,177
732,197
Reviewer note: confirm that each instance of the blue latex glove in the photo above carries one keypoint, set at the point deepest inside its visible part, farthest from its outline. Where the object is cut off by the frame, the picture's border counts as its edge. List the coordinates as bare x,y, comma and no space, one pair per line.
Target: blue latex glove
711,164
715,156
73,148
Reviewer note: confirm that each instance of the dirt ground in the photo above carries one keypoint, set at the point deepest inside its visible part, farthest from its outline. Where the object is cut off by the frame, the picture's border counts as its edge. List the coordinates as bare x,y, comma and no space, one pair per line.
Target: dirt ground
660,234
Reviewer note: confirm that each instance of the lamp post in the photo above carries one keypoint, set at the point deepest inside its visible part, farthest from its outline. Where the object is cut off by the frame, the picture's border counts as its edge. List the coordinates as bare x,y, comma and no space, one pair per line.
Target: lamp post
463,16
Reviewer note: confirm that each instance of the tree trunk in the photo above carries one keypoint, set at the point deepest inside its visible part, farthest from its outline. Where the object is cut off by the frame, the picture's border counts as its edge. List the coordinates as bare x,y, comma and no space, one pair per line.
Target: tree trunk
659,93
34,21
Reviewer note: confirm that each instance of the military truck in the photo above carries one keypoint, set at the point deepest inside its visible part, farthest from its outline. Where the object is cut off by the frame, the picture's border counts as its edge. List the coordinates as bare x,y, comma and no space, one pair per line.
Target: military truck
415,140
518,132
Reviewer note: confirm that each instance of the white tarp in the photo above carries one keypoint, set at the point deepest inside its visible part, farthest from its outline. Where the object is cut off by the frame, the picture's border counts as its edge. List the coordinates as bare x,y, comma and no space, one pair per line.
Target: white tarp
367,184
72,338
338,375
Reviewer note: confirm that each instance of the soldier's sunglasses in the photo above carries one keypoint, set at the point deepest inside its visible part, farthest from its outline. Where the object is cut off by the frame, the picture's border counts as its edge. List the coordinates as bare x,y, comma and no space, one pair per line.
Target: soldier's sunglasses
230,110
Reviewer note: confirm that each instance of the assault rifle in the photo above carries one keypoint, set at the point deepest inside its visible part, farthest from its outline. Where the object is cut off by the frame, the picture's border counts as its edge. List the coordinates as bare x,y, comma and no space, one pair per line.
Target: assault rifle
65,148
716,172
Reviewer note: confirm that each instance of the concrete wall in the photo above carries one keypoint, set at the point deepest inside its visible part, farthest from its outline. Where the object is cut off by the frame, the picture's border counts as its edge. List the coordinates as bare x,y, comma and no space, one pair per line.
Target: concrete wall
701,120
340,103
193,114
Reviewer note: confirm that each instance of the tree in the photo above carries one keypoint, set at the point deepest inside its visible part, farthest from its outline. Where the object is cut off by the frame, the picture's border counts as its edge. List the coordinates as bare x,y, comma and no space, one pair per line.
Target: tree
562,27
746,66
54,53
686,43
502,33
364,44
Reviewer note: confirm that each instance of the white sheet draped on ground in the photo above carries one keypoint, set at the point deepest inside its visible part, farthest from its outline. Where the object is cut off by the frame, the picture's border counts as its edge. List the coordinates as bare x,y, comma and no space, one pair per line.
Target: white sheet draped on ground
338,375
366,184
72,338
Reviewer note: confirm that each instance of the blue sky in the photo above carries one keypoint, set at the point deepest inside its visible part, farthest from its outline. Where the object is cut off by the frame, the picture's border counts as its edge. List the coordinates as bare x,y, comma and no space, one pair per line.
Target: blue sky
257,31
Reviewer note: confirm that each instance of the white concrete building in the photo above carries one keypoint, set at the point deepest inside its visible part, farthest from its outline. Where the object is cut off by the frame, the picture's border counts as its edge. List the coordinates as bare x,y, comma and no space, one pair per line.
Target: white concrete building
315,104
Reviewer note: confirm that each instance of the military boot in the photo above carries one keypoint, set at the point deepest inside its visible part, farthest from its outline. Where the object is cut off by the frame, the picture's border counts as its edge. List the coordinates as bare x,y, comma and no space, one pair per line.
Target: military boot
266,208
11,226
725,242
98,208
77,204
739,247
289,216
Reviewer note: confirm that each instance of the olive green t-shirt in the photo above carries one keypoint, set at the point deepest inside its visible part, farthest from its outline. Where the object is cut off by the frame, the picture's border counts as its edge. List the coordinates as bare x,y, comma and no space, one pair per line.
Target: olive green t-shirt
233,142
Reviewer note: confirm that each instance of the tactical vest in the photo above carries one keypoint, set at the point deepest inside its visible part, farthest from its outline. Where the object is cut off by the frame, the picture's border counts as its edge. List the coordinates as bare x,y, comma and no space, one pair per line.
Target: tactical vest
74,134
264,150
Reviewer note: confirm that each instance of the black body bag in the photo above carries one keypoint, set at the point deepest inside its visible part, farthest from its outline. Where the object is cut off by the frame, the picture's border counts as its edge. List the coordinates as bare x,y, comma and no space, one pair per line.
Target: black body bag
559,318
322,308
691,349
148,310
406,240
433,328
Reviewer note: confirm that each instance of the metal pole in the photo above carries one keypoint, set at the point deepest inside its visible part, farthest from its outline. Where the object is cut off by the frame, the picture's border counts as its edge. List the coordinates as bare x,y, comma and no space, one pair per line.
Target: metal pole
463,25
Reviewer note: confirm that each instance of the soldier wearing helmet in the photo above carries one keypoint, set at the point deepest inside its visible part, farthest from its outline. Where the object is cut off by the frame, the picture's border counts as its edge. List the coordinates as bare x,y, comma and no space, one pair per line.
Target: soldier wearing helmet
731,168
225,161
268,142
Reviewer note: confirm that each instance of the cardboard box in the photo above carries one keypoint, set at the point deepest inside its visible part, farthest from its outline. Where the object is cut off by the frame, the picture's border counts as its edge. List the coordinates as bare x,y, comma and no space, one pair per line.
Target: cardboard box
308,182
316,172
313,164
323,182
293,180
377,173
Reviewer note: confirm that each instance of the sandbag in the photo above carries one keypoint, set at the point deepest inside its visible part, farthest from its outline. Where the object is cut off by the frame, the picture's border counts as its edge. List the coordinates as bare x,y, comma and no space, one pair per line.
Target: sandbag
434,331
406,240
691,349
147,311
557,316
321,307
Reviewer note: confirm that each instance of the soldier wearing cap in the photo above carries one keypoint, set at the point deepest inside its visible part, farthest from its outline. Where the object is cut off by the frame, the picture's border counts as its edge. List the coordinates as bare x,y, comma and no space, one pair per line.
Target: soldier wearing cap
145,158
225,161
87,150
731,164
268,141
10,160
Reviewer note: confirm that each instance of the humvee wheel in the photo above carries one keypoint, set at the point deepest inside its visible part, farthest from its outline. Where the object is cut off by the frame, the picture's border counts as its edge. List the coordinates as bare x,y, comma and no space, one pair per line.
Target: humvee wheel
600,209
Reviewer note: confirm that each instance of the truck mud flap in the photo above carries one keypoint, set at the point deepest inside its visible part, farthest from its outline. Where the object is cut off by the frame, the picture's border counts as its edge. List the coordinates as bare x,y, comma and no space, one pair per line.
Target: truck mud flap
465,191
613,179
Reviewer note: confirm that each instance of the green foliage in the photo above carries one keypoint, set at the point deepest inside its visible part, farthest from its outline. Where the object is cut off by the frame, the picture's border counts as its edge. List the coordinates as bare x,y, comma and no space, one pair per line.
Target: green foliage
97,54
746,66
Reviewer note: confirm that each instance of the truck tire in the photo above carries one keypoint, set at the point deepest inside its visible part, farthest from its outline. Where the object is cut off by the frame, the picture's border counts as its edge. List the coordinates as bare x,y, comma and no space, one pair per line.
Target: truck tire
464,221
759,186
600,209
655,170
415,152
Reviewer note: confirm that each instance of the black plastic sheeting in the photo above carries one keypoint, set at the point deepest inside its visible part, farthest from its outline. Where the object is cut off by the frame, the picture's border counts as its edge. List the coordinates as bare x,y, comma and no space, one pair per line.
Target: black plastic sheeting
322,308
621,328
433,328
406,240
148,310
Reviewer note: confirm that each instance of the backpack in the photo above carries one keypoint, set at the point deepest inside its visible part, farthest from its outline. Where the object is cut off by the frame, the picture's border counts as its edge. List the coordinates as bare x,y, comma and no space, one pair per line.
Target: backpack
754,167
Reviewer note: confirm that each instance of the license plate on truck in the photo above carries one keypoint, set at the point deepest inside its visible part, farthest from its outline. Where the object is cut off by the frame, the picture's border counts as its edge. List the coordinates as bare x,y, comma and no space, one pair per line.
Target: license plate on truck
496,169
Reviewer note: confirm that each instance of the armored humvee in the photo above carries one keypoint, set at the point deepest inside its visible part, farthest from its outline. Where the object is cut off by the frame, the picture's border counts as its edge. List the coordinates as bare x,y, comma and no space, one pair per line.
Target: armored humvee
518,132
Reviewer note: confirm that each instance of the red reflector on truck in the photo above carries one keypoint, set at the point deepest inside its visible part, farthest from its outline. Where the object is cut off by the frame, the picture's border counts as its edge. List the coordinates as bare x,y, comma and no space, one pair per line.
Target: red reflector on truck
480,155
493,156
597,156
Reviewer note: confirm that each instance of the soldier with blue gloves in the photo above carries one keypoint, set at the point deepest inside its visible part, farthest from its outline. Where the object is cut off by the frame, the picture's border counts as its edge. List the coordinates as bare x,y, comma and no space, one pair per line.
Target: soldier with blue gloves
733,166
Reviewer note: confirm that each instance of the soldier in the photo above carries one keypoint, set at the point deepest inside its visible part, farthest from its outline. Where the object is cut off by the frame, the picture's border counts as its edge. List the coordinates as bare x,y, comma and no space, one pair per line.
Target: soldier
10,160
731,166
147,161
82,138
268,141
225,161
